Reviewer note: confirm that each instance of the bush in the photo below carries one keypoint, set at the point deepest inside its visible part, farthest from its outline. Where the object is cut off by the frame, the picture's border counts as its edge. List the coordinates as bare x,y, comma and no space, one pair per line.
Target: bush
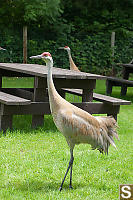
91,53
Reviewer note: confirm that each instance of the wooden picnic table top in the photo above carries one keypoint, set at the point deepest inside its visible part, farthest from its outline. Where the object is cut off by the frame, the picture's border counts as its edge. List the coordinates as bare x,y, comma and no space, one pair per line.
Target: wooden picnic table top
41,71
125,65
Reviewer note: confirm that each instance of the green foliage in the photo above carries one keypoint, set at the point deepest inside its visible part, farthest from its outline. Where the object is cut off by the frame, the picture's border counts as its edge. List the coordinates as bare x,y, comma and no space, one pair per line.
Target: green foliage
85,26
25,12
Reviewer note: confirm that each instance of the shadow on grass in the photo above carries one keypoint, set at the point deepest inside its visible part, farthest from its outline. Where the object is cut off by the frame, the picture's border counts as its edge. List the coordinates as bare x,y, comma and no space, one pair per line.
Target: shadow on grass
38,186
22,125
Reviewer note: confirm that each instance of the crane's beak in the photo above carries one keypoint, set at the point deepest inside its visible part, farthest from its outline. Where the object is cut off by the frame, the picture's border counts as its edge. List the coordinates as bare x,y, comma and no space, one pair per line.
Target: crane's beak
61,48
36,57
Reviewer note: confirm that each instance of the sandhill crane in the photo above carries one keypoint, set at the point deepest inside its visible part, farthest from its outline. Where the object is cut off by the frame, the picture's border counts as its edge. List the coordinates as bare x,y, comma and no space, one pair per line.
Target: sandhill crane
72,64
2,49
77,125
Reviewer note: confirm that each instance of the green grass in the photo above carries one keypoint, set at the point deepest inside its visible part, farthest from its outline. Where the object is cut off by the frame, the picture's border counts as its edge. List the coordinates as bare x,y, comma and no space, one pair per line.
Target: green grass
33,162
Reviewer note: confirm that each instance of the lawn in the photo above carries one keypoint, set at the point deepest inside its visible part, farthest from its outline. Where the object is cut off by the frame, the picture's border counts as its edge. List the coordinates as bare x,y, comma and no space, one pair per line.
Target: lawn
33,162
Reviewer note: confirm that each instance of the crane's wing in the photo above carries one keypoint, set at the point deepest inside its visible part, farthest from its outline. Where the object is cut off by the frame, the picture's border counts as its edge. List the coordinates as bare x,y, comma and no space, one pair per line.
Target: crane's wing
78,129
81,127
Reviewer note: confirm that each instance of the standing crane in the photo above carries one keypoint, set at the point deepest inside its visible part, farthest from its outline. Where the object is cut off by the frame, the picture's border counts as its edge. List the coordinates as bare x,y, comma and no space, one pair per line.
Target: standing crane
77,125
72,64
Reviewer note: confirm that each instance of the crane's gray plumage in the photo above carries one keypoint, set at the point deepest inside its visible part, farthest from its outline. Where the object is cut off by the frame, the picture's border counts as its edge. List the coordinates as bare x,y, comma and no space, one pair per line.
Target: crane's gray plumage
77,125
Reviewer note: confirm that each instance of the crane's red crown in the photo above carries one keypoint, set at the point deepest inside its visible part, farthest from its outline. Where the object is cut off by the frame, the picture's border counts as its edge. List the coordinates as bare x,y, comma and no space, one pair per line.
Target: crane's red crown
66,47
46,54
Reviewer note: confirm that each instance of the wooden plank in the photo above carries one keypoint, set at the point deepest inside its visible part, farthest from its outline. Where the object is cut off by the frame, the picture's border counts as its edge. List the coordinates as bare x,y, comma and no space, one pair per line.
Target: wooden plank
126,65
41,108
100,97
112,100
119,80
9,99
24,44
39,96
74,83
26,93
41,70
5,122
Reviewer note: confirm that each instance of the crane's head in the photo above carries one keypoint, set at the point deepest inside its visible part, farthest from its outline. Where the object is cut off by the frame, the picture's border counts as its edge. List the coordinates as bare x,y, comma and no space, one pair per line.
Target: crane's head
46,56
2,49
65,48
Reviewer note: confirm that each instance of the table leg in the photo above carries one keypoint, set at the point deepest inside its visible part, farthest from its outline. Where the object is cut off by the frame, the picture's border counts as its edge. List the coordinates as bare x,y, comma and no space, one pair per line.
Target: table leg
125,76
109,86
0,82
123,90
113,115
87,94
39,96
5,120
114,111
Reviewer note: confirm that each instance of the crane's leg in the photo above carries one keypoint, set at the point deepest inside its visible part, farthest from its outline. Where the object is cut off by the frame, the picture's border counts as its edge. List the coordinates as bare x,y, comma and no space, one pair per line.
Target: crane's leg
69,166
70,186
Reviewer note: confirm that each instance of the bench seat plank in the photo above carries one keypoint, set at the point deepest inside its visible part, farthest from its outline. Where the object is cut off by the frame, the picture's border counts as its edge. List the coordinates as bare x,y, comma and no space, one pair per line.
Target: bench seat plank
9,99
120,80
100,97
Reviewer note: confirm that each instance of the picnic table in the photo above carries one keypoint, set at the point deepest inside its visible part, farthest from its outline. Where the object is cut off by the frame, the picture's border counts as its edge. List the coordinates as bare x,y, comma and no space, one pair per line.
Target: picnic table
34,101
123,82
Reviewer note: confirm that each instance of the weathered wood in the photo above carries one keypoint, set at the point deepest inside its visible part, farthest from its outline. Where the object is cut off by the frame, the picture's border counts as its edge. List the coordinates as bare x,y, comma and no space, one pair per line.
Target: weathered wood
62,78
37,120
39,96
26,93
9,99
87,94
109,87
120,81
111,81
41,108
100,97
5,72
0,81
124,83
39,89
5,122
24,44
113,52
129,65
110,100
41,71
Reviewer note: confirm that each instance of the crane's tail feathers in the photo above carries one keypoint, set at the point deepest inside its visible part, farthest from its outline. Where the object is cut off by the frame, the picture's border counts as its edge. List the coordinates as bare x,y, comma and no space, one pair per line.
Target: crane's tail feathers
111,141
108,131
114,133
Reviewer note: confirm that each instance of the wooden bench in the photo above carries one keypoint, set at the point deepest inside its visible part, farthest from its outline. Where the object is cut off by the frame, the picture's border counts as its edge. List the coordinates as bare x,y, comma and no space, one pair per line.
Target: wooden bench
113,81
8,100
112,103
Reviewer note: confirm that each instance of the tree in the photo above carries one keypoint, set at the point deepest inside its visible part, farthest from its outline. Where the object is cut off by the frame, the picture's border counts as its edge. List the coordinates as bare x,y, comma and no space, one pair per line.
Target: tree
28,11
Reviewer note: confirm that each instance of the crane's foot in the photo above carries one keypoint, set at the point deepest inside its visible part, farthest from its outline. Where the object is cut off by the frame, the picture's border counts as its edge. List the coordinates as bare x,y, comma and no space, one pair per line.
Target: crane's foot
70,187
60,189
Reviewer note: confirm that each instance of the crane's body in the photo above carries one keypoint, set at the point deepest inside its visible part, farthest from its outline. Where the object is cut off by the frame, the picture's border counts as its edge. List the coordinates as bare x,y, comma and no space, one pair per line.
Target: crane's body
77,125
72,64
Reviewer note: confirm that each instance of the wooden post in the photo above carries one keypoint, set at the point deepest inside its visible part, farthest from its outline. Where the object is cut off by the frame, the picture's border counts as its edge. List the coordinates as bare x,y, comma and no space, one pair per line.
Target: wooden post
25,44
113,52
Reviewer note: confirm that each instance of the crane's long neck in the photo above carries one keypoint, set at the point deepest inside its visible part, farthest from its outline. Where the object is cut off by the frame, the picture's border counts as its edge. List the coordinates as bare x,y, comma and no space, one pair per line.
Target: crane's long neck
72,64
54,97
